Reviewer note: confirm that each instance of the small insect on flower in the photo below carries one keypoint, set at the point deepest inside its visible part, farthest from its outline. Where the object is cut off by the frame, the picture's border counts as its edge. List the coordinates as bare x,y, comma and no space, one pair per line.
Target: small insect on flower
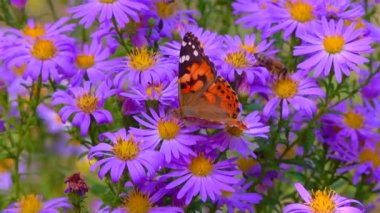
274,66
326,201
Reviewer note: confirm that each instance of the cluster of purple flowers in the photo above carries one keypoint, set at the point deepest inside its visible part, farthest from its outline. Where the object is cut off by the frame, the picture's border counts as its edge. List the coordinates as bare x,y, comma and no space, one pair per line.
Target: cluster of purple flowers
115,92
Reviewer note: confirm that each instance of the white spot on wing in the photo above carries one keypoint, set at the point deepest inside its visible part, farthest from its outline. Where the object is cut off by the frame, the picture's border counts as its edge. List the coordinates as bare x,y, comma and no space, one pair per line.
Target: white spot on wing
195,52
183,43
193,46
187,57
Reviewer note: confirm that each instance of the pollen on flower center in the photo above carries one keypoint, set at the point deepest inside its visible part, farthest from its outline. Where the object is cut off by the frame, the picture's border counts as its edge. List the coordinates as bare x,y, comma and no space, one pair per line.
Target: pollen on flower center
57,119
137,202
165,10
142,59
353,120
43,49
333,44
107,1
30,204
301,11
85,61
237,59
201,166
369,155
34,32
234,131
245,164
5,165
19,70
168,129
126,149
285,88
154,90
249,48
87,103
323,201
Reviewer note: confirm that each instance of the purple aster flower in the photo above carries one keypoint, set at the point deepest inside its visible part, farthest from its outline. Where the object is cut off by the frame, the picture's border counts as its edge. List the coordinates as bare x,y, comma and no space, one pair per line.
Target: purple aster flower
51,118
255,14
295,90
6,182
94,62
33,30
19,4
331,45
170,17
322,201
237,60
144,65
343,9
202,175
45,57
34,203
210,41
160,128
86,103
354,122
240,199
144,199
372,90
250,45
294,16
237,138
363,160
126,152
164,92
121,10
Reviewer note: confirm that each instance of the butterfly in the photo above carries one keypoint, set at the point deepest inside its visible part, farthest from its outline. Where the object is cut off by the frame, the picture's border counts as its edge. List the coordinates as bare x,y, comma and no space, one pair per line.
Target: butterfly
204,97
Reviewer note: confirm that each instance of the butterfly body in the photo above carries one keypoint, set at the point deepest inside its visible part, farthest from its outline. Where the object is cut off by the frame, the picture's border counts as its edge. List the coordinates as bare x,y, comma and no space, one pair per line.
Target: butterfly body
204,97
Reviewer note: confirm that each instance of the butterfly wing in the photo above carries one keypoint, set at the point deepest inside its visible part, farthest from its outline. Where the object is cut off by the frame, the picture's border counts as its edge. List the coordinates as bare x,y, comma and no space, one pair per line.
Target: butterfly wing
202,94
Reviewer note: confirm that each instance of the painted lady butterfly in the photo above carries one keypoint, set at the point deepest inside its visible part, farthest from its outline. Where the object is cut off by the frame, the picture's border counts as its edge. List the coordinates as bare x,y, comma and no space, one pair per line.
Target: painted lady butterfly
204,97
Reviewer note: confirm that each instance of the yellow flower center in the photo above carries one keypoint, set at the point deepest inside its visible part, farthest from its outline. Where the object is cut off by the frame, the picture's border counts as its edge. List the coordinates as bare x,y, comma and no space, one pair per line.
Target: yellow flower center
237,59
107,1
57,119
75,142
165,10
201,166
301,11
369,155
248,48
285,88
332,8
226,193
137,202
43,49
168,129
234,131
5,165
353,120
323,201
19,70
359,24
245,164
126,149
34,32
30,204
156,89
142,59
87,103
333,44
85,61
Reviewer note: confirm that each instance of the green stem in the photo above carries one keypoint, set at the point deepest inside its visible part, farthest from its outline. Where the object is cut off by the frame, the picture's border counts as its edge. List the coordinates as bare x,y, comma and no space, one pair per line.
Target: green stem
120,35
17,176
52,9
